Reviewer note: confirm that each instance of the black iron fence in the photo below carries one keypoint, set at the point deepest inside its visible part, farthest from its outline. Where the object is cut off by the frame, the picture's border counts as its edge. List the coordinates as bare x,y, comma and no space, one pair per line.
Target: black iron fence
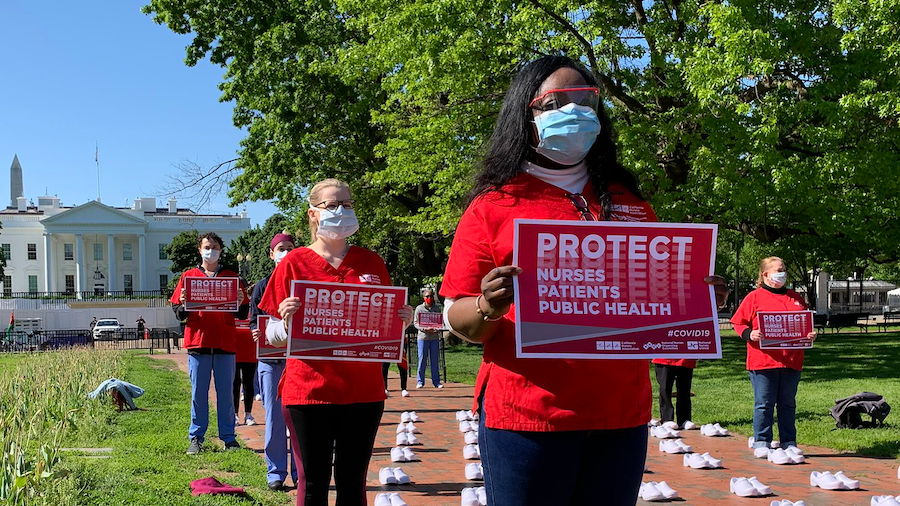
154,340
61,300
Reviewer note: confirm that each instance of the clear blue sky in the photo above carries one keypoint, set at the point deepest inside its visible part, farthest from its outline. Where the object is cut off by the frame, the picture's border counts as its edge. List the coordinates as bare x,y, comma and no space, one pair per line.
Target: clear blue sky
79,73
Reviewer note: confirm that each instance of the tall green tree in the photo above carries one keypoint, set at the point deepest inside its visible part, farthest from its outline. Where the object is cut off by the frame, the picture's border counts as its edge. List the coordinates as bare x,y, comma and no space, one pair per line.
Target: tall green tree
776,119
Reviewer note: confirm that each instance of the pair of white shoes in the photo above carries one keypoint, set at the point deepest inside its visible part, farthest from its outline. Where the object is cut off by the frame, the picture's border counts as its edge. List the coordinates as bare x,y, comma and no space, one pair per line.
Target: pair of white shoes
749,487
662,432
785,502
474,471
409,416
471,437
392,476
885,500
654,491
466,426
714,430
403,454
782,456
471,452
674,446
836,481
466,415
474,496
407,438
408,427
389,499
702,461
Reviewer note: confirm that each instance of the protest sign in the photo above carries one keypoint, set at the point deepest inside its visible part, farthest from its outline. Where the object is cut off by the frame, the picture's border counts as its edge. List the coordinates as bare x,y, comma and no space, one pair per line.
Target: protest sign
785,329
429,320
264,350
211,294
615,290
340,321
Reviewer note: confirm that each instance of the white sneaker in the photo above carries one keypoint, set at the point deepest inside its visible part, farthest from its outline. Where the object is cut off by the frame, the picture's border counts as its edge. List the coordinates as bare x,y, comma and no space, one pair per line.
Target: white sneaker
440,385
387,393
401,477
419,385
469,497
762,489
471,437
404,417
850,483
471,452
402,439
411,439
397,454
382,500
396,500
689,425
404,393
667,491
258,397
249,420
409,455
714,463
474,471
414,417
650,493
386,476
743,488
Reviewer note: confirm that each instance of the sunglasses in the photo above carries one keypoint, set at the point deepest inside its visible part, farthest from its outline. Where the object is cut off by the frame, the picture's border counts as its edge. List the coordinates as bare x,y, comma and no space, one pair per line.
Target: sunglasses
554,99
581,204
333,205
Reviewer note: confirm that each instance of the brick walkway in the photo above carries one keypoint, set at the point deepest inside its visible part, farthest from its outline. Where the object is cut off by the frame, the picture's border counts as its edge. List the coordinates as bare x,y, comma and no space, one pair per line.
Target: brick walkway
438,479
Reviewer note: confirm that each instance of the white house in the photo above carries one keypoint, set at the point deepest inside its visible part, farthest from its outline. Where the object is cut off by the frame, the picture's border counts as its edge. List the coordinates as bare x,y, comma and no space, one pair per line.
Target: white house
95,247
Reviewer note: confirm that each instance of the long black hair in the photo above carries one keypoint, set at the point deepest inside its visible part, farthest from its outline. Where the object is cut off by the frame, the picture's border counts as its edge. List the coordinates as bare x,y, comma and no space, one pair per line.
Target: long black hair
510,144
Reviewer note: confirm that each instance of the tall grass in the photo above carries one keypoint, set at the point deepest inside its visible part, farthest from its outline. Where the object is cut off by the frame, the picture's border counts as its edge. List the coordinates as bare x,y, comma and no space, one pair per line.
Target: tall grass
43,400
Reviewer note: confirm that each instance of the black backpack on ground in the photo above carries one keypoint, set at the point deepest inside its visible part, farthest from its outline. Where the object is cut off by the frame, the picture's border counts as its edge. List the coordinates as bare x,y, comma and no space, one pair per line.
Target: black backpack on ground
847,412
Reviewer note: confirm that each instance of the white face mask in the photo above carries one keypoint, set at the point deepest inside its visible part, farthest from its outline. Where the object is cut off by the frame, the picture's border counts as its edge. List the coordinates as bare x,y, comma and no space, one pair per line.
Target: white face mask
279,255
778,279
210,255
339,224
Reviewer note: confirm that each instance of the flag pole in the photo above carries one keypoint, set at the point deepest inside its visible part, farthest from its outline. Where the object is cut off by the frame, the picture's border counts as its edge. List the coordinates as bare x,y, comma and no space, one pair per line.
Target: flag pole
97,161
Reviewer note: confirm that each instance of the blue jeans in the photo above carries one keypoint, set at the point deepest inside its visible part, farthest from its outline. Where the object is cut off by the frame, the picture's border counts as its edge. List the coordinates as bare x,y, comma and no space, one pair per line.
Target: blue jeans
575,468
774,388
200,369
276,451
429,351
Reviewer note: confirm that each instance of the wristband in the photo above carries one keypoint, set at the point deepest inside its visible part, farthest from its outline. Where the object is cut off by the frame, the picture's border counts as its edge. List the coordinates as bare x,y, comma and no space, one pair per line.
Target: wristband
481,313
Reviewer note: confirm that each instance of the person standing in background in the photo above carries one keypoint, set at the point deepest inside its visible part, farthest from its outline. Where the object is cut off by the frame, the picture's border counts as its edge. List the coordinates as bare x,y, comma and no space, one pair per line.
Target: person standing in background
429,342
244,372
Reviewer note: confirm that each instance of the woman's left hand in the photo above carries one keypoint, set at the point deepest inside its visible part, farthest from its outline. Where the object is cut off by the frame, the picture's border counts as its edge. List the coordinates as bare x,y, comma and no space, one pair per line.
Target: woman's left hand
812,335
406,314
720,285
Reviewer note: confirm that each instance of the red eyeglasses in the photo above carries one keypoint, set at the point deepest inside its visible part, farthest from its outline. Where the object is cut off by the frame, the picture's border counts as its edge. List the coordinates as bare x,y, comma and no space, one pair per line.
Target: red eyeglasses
554,99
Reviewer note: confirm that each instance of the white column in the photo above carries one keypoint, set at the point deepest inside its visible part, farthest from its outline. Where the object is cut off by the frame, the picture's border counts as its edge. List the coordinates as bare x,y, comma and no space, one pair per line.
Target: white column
79,264
111,261
142,263
48,264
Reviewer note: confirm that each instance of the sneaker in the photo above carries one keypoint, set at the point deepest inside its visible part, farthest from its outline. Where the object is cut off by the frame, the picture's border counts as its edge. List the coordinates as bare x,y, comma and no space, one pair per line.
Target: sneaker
249,420
386,393
439,385
404,393
258,397
420,385
194,447
233,445
276,486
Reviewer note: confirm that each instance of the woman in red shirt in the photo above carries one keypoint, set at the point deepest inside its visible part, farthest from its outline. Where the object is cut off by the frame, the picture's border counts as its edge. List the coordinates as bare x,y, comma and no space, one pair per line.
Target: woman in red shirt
333,407
774,374
582,424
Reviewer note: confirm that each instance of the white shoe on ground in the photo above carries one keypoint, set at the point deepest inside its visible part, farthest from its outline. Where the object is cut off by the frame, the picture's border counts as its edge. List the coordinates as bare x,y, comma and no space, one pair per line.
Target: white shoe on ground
750,442
412,429
401,427
404,417
650,493
794,450
258,397
249,420
382,500
409,455
414,417
397,454
667,491
462,416
761,453
419,385
762,489
396,500
471,437
411,439
467,426
722,431
695,461
387,393
469,497
402,439
850,483
743,488
471,452
481,494
670,425
474,471
780,457
714,463
689,425
826,481
653,422
670,446
401,477
404,393
386,476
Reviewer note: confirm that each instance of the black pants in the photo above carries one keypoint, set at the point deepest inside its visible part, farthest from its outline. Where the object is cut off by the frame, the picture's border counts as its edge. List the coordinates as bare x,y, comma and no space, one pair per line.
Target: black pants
680,377
244,372
404,374
342,433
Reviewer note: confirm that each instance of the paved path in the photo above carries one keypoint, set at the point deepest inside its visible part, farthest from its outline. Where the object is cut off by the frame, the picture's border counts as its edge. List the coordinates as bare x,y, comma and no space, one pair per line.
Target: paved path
439,477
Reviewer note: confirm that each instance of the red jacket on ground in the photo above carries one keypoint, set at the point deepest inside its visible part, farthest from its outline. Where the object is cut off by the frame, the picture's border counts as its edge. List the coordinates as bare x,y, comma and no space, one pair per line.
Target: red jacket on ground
542,395
745,317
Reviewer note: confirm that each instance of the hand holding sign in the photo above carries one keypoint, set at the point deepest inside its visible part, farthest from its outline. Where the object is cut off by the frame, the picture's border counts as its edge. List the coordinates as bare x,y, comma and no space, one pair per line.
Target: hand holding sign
720,286
497,290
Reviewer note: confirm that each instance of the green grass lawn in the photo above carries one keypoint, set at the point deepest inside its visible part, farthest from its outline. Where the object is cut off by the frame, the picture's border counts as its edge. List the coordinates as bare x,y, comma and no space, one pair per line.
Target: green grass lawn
148,465
841,364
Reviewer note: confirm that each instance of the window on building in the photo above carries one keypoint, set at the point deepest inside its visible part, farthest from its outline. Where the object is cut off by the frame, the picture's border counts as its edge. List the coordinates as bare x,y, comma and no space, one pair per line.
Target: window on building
129,283
98,251
32,251
68,251
32,284
7,286
4,248
162,252
163,281
126,252
835,297
70,283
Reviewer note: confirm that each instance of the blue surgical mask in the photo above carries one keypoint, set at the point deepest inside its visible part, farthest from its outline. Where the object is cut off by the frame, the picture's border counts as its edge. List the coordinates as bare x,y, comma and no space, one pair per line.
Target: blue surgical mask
567,134
210,255
338,224
279,255
779,278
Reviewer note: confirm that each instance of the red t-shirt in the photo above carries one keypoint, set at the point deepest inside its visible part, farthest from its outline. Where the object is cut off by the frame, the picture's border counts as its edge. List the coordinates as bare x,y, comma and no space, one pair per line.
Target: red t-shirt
543,395
745,317
245,345
208,329
690,363
326,381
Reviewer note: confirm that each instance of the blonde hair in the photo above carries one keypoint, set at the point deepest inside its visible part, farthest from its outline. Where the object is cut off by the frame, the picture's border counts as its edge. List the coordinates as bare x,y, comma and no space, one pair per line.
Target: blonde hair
764,266
315,198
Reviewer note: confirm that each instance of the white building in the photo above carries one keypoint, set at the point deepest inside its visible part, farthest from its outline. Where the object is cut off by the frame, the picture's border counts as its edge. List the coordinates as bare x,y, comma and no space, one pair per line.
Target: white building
94,247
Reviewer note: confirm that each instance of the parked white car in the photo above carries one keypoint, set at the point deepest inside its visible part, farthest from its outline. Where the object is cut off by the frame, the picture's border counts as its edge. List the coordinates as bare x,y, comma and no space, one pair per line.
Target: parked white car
106,328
